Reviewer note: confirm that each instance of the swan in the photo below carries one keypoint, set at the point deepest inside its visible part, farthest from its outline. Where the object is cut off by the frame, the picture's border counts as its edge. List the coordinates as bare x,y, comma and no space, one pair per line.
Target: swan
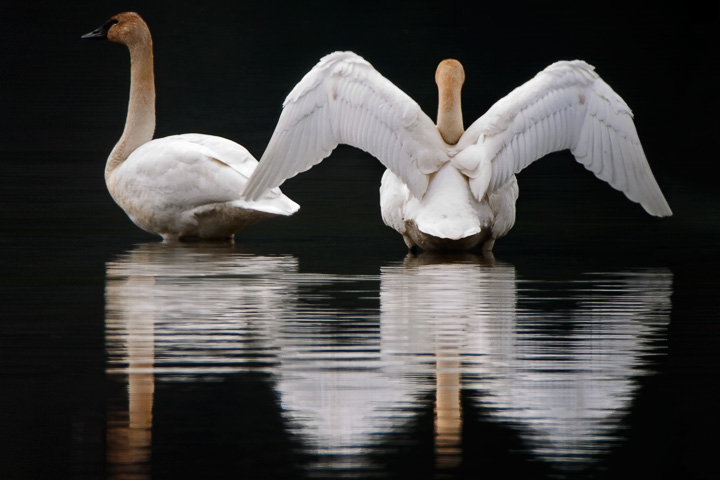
447,188
179,186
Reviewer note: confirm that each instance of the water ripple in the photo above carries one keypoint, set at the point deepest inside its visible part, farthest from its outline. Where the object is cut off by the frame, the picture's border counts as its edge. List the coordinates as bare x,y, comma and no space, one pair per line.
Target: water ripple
354,359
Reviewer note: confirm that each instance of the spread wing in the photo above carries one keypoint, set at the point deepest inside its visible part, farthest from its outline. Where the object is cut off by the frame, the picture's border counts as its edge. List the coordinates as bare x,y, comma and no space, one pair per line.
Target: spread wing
566,106
343,99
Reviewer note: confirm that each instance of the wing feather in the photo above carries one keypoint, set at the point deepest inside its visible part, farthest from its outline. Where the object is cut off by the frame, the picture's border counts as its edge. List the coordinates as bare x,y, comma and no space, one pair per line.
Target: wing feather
343,99
566,106
541,135
552,126
606,169
617,177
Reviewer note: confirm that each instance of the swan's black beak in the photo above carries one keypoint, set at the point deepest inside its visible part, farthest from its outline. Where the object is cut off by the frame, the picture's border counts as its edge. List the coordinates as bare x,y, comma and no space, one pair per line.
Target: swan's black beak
100,33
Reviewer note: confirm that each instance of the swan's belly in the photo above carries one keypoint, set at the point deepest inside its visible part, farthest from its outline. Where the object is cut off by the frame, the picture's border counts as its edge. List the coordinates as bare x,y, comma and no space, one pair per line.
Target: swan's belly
211,222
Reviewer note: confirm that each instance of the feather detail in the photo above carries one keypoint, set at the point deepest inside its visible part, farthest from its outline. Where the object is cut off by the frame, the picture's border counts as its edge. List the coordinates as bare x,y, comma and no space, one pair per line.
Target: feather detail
343,99
566,106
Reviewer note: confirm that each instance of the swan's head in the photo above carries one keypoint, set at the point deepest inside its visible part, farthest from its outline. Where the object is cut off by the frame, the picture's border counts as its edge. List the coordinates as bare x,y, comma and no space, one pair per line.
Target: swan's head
125,28
450,77
450,74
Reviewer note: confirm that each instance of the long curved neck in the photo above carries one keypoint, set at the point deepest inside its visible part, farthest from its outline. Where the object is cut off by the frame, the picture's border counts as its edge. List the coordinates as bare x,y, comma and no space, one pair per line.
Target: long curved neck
449,118
140,122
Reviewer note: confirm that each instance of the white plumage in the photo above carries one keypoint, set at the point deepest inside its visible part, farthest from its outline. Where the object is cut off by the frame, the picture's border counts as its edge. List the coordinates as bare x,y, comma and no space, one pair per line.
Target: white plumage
444,196
190,185
180,186
345,100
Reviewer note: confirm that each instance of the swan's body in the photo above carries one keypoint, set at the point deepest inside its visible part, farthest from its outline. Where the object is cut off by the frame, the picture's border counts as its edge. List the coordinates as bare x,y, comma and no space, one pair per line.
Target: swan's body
184,185
447,188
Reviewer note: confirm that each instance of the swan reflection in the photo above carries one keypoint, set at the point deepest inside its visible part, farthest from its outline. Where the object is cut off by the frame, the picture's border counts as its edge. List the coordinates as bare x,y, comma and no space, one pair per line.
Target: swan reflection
441,314
184,311
563,376
354,360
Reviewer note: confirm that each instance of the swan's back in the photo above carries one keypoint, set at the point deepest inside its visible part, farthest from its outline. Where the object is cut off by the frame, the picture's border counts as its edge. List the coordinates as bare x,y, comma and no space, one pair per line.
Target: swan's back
191,185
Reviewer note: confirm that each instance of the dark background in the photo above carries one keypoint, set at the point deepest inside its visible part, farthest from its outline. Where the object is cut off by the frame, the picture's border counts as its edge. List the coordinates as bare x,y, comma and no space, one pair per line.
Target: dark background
224,68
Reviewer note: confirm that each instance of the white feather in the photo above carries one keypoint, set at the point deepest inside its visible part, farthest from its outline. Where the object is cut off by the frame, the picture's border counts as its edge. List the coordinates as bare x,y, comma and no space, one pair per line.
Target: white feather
596,124
345,100
165,183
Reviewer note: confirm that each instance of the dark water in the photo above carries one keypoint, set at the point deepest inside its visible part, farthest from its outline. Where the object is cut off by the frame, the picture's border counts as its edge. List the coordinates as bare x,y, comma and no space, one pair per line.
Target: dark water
314,346
325,351
353,361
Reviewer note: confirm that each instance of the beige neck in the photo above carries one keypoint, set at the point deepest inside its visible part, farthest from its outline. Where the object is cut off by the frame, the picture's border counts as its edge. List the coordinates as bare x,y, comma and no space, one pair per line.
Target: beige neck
449,78
449,118
140,122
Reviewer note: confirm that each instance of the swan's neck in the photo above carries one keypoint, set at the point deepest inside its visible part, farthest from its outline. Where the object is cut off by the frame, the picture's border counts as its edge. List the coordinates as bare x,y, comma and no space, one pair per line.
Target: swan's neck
449,118
140,122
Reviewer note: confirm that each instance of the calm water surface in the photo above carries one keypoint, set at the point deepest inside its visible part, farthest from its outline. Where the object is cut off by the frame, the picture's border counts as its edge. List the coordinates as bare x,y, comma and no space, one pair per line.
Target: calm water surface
353,363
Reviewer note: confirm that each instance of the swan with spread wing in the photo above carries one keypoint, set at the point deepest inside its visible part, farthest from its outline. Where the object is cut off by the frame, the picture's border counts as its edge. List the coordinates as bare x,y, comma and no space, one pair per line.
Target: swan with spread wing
447,188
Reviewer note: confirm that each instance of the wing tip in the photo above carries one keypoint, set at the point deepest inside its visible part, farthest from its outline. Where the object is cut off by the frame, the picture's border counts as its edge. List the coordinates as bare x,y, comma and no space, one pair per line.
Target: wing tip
661,211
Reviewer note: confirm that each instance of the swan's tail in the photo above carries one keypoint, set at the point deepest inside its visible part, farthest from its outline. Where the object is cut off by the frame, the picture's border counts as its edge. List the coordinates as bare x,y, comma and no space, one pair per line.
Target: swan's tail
273,202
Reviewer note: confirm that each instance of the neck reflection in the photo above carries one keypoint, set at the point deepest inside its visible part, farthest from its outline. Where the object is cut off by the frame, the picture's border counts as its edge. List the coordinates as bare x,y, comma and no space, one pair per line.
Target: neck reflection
183,313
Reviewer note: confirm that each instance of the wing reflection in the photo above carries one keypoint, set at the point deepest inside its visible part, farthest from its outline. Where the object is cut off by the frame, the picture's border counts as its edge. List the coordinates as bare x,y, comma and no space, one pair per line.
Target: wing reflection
564,376
572,373
184,310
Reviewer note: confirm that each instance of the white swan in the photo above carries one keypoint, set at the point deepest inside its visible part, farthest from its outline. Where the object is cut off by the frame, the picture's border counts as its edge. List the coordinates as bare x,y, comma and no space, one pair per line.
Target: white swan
179,186
446,188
